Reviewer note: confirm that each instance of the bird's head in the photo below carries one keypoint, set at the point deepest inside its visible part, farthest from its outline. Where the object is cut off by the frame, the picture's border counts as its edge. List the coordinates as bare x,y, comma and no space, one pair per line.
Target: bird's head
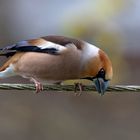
99,70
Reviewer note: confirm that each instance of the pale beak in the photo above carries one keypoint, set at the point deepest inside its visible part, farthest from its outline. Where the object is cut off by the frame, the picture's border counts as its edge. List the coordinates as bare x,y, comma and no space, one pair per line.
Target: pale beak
101,85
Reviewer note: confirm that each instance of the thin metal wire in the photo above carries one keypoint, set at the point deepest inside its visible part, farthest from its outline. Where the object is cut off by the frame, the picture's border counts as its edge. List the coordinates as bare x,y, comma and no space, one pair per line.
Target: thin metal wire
116,88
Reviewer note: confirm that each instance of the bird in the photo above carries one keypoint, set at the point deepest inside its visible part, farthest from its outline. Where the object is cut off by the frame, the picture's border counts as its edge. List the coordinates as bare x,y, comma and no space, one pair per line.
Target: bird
55,59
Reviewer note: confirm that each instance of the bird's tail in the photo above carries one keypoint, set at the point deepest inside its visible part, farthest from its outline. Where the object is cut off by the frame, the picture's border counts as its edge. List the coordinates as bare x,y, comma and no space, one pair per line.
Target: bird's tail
12,59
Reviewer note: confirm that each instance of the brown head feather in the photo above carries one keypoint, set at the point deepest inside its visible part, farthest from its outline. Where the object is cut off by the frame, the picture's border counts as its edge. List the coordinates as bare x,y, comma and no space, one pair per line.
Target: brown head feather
90,68
94,65
106,65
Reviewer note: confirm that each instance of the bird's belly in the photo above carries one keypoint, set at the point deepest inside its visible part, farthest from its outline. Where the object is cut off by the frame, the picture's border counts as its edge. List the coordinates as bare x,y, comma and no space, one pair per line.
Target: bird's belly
54,72
49,67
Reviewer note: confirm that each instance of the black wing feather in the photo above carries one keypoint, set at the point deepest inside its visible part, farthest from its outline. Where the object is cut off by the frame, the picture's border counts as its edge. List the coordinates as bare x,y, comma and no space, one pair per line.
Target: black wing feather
24,46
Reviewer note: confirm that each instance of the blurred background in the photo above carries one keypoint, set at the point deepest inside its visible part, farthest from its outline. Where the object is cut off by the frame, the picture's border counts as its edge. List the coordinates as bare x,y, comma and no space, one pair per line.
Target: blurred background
112,25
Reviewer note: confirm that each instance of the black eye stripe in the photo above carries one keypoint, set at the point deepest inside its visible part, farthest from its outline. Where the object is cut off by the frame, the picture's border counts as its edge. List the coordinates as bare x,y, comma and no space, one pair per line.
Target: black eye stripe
101,74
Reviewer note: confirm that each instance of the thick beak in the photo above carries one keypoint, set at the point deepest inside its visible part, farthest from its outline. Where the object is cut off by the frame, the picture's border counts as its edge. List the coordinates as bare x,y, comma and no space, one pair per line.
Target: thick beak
101,85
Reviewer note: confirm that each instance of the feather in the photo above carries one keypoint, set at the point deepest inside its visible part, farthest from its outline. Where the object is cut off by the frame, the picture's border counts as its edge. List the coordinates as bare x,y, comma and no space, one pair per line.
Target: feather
24,46
50,44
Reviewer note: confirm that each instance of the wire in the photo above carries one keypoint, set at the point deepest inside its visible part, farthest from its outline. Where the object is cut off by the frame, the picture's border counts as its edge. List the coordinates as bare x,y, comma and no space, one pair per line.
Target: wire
116,88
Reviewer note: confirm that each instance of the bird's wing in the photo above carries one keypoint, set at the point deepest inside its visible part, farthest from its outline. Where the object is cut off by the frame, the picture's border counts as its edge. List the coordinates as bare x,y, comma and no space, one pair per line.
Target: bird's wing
49,44
26,46
65,41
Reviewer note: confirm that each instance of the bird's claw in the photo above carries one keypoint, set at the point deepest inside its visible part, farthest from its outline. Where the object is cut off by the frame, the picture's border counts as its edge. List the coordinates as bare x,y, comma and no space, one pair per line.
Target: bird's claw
78,86
39,87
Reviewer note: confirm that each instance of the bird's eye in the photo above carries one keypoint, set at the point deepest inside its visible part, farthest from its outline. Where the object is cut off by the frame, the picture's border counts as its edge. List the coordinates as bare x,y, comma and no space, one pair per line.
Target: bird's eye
101,73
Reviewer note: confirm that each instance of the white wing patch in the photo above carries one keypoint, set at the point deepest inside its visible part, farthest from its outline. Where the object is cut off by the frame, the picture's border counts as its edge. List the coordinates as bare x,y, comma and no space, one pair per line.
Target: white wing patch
51,45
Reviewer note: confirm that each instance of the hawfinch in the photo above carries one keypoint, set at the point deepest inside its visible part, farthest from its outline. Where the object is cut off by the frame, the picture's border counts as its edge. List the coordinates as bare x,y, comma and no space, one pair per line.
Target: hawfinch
57,58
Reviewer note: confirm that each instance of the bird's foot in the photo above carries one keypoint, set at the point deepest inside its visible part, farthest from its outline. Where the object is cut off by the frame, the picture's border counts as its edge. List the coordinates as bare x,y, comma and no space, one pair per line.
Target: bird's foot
80,87
38,85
